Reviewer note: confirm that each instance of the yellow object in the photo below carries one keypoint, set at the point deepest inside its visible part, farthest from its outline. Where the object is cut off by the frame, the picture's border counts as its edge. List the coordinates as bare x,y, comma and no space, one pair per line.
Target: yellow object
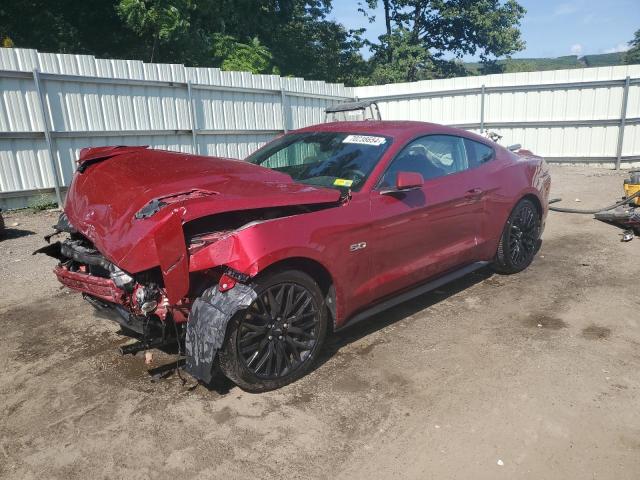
630,189
342,182
632,185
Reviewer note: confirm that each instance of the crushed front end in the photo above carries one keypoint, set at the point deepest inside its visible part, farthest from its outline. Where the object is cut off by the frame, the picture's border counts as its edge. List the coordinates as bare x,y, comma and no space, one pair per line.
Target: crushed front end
149,236
138,302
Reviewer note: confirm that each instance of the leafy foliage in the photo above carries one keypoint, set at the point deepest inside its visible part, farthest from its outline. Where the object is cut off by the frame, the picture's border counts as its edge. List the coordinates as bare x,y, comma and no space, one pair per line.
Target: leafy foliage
513,65
43,202
68,26
156,20
437,29
409,61
633,55
423,39
246,57
603,60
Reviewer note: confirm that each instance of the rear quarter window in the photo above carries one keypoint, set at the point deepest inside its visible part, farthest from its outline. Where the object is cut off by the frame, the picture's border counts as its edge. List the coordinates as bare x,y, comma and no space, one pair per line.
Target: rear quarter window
478,153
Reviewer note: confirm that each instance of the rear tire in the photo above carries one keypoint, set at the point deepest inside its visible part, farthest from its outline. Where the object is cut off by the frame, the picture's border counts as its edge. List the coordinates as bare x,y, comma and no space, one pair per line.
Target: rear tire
520,239
279,337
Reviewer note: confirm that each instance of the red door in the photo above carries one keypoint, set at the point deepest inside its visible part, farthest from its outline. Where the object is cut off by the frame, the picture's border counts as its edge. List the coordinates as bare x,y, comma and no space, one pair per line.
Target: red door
423,233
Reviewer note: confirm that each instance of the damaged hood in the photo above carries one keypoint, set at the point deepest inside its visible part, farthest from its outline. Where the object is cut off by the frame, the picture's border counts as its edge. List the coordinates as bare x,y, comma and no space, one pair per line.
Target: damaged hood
122,195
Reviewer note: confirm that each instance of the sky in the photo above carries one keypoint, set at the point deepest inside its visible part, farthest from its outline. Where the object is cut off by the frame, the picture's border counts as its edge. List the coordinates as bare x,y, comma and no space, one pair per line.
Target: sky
549,28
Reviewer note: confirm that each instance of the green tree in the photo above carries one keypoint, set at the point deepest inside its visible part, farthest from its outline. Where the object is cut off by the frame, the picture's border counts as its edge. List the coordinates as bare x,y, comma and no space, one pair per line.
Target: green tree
245,57
300,37
297,34
68,26
400,60
449,28
156,21
632,55
317,49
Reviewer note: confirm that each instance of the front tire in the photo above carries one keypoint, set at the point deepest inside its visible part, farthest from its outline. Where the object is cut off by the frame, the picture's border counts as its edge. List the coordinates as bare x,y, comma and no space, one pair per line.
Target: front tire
520,239
278,338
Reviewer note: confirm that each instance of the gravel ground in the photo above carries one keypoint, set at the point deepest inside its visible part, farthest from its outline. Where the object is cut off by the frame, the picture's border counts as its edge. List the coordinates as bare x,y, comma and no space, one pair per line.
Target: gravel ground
527,376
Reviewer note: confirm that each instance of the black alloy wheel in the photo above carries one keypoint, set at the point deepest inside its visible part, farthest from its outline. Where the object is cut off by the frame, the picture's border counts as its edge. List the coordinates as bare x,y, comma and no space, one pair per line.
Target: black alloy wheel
278,338
523,236
279,331
520,239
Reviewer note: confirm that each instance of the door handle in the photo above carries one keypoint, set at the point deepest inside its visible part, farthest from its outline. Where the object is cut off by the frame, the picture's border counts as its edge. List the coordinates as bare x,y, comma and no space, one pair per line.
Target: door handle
474,193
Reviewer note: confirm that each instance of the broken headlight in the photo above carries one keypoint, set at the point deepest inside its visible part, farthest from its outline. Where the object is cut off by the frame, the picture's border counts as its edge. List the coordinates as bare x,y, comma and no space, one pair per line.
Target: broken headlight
120,278
146,298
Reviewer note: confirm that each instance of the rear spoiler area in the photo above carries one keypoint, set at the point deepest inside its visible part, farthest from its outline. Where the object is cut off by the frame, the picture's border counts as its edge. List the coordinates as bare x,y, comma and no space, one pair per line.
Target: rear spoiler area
91,155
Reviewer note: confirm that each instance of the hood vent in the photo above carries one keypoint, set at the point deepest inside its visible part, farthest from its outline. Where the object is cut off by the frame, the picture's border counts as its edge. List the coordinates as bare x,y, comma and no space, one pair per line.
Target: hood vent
157,204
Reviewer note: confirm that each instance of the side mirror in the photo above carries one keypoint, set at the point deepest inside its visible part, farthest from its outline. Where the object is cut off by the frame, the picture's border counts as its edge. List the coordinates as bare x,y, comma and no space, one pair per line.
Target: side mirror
409,181
405,181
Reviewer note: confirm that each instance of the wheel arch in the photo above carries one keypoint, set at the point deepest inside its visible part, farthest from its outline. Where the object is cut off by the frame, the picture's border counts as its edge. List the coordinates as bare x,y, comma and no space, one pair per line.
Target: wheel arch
316,270
311,267
536,202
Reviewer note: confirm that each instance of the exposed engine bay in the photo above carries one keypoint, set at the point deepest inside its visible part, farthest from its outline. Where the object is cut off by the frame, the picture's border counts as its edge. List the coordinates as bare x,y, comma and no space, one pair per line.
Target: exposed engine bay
105,286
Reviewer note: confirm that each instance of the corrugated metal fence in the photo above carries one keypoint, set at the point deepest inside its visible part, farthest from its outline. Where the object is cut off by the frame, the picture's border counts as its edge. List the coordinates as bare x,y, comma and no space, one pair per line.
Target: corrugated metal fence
53,105
584,115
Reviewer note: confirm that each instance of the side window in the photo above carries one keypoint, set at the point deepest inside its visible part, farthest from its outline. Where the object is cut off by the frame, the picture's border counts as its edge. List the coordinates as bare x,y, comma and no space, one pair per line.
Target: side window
478,153
432,156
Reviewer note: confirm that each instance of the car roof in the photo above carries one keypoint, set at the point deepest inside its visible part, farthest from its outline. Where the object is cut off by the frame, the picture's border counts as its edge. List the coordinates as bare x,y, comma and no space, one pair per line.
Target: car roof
398,129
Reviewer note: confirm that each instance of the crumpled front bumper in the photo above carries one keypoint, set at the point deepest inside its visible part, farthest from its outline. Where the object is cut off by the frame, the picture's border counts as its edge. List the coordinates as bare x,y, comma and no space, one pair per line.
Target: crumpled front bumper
102,288
107,298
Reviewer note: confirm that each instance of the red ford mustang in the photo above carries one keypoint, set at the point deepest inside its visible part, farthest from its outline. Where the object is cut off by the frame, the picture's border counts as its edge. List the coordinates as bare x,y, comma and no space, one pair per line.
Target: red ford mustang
248,264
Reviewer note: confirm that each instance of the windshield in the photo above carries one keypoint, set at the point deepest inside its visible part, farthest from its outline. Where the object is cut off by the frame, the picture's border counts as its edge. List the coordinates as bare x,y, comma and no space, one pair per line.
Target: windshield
328,159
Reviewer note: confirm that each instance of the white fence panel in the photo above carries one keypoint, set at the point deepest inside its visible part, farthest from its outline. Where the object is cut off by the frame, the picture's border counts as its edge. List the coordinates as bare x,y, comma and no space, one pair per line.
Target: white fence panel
93,102
563,115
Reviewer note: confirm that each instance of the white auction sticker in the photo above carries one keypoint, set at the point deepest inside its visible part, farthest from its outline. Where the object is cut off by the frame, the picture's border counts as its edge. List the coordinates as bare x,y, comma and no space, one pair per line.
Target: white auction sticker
364,140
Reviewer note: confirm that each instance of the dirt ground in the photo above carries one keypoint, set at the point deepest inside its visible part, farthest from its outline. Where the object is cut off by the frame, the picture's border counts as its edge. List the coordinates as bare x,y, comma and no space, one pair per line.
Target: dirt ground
535,375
